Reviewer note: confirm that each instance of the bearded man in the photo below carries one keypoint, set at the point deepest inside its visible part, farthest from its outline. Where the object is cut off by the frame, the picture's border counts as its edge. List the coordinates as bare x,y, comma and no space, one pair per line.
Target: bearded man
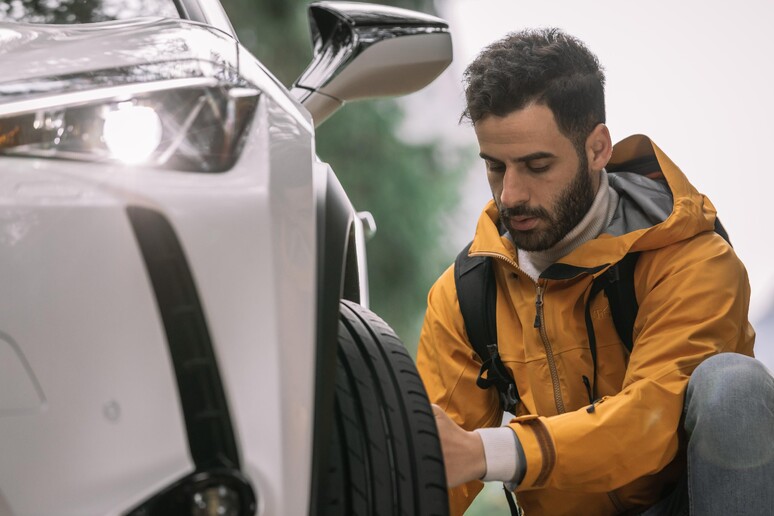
682,421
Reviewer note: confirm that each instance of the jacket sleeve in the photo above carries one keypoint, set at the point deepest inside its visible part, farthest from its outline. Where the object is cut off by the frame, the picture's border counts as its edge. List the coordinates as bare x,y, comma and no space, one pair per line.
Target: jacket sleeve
449,369
693,300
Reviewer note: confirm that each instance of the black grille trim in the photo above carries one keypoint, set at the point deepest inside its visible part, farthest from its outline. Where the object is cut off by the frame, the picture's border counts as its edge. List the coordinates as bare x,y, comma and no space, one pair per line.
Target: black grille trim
208,424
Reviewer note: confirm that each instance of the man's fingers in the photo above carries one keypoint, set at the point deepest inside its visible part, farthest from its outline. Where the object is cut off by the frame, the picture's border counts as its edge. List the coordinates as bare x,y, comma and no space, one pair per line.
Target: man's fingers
444,424
463,452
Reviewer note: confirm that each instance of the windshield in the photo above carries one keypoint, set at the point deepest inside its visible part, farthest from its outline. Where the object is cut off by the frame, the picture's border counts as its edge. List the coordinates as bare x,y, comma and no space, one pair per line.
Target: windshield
83,11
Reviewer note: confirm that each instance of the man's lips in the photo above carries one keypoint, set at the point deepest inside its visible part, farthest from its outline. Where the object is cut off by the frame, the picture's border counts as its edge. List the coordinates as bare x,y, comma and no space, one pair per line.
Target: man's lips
522,223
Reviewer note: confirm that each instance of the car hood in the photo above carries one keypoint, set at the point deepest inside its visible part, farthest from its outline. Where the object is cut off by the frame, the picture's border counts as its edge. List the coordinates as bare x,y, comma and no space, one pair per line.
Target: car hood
33,51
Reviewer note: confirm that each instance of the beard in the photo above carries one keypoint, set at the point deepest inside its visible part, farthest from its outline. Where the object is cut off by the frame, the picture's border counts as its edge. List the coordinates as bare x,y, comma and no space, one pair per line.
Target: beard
569,209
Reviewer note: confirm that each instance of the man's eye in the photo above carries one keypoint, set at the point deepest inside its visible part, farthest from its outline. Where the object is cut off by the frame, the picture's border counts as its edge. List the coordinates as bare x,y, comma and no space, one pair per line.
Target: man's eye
495,166
538,167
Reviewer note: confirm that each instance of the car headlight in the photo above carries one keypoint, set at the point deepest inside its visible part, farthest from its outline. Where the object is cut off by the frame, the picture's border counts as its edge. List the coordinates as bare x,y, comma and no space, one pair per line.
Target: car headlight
184,123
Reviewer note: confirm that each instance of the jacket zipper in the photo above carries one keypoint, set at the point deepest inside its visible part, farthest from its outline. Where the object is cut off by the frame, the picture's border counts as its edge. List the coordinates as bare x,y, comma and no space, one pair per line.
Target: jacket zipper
540,324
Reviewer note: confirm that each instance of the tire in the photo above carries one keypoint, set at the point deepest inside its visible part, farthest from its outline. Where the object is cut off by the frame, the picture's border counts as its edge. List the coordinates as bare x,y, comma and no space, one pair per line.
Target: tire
385,455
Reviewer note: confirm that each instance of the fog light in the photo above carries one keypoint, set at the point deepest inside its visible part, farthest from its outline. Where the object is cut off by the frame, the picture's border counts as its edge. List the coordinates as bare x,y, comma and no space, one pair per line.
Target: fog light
216,501
132,132
220,492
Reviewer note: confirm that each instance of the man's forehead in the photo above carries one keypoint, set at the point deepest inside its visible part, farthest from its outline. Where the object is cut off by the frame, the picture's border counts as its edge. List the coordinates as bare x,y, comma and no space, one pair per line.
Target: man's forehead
525,131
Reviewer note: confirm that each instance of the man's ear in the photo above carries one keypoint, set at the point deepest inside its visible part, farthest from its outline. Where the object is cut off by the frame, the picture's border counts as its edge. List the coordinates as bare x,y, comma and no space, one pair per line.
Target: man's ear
599,147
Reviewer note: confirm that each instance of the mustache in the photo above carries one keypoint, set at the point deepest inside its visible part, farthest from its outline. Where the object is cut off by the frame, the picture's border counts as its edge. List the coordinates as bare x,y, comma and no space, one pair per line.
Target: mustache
523,211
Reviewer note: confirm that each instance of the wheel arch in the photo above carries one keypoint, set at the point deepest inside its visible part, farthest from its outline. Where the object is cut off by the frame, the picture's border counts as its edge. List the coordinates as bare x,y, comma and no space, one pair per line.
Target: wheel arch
341,274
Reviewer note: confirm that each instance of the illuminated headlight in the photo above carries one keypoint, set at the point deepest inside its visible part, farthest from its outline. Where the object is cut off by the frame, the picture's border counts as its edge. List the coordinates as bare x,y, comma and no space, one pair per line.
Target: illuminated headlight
132,133
191,124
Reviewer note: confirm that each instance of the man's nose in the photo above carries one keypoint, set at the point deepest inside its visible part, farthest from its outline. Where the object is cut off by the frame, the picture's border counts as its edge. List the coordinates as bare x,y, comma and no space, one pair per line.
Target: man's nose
515,192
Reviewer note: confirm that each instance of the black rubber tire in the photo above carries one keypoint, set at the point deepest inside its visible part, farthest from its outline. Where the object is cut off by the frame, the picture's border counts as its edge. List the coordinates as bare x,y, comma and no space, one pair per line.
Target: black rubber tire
385,456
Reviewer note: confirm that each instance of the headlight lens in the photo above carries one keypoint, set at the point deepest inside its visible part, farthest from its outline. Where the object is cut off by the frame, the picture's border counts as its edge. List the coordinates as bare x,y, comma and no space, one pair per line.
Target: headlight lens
191,124
132,133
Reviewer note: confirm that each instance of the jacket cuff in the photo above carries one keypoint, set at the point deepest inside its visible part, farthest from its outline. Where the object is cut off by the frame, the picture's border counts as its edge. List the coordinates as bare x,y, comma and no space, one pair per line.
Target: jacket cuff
503,455
538,446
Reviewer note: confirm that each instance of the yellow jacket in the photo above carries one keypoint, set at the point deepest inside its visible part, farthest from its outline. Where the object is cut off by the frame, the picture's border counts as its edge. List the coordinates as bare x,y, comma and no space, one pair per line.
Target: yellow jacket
693,296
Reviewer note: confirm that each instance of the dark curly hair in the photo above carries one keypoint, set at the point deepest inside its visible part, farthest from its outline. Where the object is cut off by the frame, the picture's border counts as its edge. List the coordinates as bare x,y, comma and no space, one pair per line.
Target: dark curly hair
546,66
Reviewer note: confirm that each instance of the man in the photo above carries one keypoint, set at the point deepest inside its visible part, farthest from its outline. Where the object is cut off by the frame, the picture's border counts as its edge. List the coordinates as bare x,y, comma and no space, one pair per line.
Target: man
606,432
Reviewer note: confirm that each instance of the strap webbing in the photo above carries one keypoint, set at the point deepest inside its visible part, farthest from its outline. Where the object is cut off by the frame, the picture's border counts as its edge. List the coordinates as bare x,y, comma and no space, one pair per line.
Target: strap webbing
477,296
618,283
515,510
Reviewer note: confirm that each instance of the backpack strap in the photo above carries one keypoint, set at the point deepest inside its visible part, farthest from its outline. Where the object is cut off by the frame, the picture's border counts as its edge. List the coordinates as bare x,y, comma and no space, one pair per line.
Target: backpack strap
720,230
477,294
618,284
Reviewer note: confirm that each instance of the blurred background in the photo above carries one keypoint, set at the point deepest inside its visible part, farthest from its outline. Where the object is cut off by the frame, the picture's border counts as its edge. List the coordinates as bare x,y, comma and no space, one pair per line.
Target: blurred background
695,76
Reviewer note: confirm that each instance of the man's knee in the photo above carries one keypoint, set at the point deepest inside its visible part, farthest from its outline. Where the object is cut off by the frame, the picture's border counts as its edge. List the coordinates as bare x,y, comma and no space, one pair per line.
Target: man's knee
729,414
729,384
728,375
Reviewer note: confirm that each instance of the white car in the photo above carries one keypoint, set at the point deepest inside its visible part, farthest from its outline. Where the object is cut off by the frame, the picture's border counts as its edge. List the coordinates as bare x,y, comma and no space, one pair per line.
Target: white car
183,300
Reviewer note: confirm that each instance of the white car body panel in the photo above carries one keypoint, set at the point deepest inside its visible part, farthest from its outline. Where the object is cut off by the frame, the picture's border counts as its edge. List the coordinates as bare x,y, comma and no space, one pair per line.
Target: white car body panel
245,220
83,316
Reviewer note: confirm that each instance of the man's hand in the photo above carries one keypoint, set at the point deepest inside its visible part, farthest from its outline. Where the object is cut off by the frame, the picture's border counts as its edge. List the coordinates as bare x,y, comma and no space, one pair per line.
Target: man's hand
463,451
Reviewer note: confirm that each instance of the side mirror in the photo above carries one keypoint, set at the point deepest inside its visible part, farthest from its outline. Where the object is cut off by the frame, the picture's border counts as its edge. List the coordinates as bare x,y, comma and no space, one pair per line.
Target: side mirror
367,50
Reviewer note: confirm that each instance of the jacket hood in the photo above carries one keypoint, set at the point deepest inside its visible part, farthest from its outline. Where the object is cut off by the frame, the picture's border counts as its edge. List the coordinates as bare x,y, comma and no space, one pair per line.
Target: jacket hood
657,207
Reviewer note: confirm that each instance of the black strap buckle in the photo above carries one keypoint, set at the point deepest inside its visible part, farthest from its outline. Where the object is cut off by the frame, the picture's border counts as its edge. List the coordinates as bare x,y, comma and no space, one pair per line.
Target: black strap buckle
509,398
494,372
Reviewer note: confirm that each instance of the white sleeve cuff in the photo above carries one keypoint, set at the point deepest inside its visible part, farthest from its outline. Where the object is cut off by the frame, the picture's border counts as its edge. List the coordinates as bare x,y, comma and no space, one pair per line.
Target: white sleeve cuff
501,454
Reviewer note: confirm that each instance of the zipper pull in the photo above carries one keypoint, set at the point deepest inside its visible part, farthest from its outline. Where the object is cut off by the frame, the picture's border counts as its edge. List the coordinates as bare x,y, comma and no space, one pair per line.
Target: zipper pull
587,383
538,306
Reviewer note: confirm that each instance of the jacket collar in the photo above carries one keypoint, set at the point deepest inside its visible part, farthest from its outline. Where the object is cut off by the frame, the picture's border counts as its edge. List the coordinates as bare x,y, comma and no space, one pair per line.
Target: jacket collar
691,212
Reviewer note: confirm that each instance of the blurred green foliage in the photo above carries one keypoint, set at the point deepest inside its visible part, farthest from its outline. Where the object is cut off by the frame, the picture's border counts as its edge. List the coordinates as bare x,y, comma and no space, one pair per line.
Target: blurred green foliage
409,187
490,501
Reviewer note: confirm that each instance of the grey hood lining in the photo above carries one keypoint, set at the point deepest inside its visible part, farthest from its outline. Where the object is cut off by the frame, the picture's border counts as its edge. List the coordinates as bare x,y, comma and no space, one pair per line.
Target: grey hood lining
642,202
